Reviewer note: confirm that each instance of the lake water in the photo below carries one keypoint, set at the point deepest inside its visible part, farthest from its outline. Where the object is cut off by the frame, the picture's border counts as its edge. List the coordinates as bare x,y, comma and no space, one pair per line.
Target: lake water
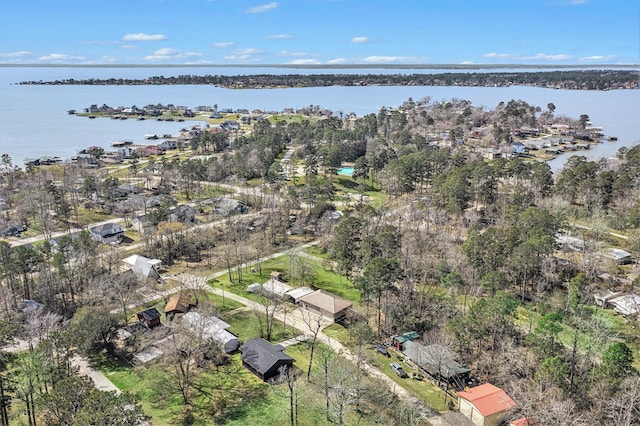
34,120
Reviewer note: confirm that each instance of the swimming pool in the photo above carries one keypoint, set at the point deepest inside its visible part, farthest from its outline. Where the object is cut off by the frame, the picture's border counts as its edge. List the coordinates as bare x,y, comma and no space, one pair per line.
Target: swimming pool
346,171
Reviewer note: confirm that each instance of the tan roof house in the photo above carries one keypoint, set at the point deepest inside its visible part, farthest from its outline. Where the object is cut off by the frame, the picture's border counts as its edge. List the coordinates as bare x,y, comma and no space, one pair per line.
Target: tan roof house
326,304
485,405
177,306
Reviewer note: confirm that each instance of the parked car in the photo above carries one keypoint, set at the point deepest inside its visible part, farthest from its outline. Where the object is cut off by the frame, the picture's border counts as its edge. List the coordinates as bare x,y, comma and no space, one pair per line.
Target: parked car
397,368
383,350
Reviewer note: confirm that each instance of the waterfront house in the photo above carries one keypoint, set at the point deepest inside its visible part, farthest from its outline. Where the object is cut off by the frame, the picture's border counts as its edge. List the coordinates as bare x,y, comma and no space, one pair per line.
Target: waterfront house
485,405
264,359
108,233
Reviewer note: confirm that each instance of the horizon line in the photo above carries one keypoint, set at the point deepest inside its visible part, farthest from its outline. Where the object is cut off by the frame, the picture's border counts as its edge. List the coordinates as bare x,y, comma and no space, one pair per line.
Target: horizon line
321,66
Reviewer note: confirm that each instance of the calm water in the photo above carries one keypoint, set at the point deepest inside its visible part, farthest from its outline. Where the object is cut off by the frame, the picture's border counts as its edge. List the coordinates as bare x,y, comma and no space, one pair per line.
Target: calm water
34,119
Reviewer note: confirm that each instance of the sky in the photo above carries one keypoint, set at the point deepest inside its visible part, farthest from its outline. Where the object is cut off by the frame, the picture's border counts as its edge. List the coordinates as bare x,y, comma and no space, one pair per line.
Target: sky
320,32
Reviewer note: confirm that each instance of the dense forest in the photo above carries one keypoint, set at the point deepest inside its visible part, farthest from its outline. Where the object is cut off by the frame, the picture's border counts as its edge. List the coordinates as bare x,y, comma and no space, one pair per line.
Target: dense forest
431,237
572,79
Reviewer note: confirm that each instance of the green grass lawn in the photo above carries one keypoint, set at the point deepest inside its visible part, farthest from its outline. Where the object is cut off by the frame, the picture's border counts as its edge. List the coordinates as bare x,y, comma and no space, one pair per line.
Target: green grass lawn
324,279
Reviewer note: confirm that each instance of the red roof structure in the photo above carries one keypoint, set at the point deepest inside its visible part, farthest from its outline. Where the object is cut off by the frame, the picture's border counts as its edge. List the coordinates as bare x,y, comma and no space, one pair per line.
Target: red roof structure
488,399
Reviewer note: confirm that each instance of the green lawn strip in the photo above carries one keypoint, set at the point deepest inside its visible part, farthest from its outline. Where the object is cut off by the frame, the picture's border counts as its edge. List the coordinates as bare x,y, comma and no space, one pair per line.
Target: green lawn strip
317,252
245,325
324,279
424,389
340,333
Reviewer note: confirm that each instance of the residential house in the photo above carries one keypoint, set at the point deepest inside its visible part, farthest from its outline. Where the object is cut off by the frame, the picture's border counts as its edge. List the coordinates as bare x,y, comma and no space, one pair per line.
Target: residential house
108,233
230,125
326,304
143,267
128,188
437,361
264,359
485,405
619,256
297,293
149,317
224,206
627,305
146,151
182,214
177,306
211,328
168,144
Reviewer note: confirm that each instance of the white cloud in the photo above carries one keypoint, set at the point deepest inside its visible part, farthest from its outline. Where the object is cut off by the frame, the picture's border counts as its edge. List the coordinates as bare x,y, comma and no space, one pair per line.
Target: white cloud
244,55
378,59
574,2
241,58
170,54
264,8
305,62
249,51
337,61
467,63
223,44
20,54
60,58
361,39
144,37
293,54
280,36
536,57
597,58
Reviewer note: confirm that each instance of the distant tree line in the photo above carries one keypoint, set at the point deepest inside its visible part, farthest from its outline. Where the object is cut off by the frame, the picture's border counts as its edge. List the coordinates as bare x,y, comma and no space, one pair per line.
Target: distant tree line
573,80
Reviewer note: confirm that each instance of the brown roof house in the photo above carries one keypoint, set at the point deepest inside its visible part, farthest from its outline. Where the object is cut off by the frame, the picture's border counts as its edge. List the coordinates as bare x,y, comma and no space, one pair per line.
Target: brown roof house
149,317
264,359
326,304
177,306
485,405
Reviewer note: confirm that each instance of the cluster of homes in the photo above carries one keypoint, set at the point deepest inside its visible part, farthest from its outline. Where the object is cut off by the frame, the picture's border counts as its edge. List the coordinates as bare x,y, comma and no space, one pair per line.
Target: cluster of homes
262,358
483,404
319,301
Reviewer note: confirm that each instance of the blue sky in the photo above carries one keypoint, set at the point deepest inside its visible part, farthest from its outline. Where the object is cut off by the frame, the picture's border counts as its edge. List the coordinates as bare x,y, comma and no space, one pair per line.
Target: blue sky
229,32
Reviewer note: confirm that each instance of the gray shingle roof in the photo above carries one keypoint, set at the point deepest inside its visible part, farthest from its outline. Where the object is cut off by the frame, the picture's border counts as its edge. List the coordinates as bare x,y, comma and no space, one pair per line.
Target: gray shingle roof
262,355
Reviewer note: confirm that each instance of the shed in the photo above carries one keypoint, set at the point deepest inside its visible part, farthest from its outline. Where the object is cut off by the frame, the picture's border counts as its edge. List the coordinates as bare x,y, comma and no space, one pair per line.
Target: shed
485,405
399,341
326,304
276,287
177,306
211,328
149,317
264,359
